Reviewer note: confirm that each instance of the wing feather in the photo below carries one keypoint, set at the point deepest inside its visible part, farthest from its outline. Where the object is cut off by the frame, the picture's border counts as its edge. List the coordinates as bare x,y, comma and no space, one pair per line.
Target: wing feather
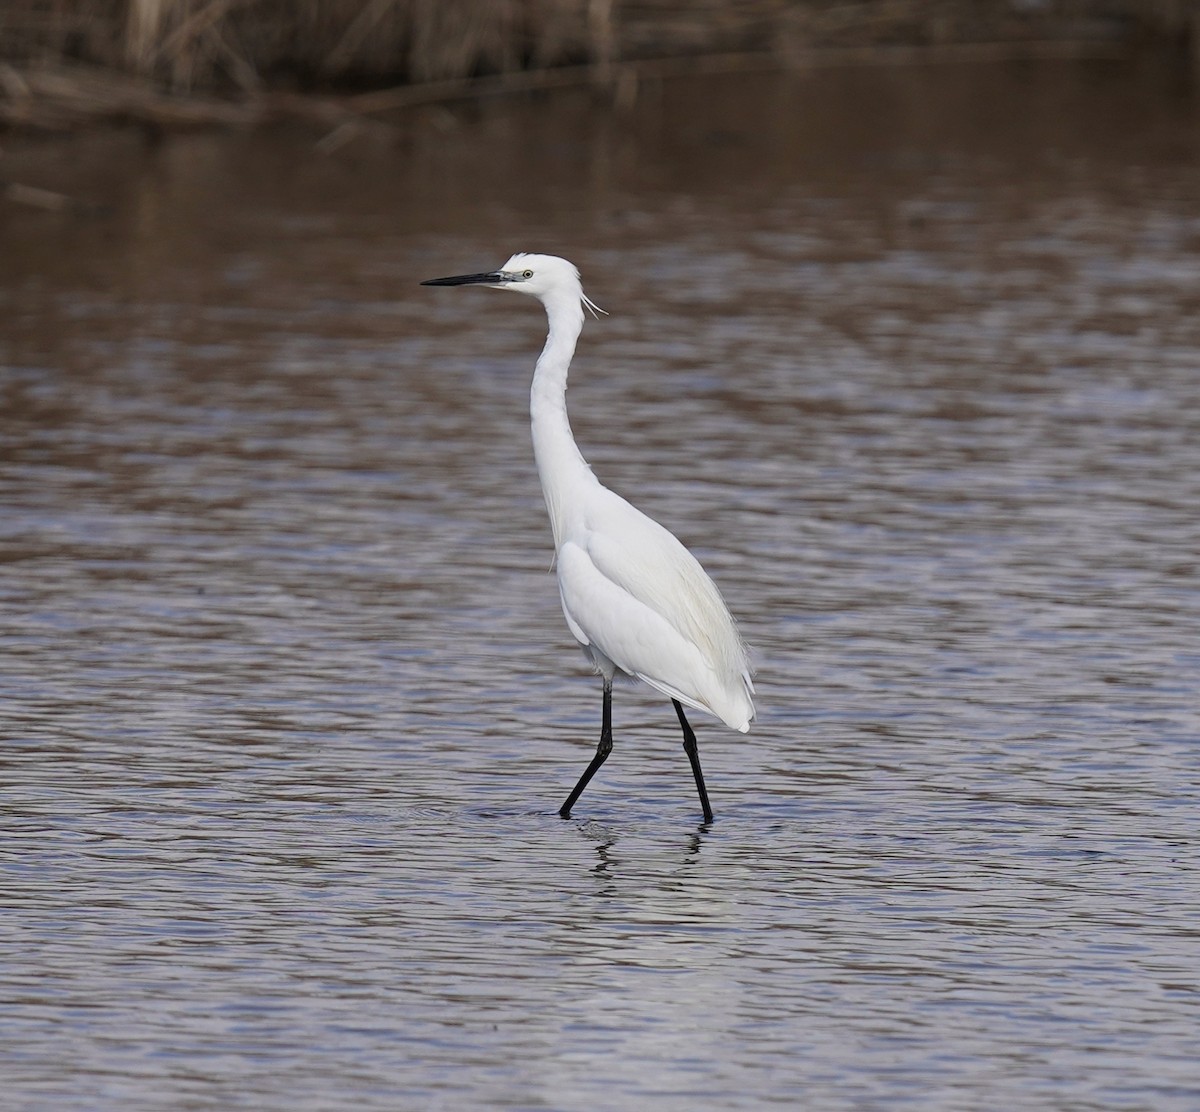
649,562
634,592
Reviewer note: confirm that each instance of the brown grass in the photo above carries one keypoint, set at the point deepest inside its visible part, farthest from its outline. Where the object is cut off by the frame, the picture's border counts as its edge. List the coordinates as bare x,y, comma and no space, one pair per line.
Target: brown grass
196,60
189,44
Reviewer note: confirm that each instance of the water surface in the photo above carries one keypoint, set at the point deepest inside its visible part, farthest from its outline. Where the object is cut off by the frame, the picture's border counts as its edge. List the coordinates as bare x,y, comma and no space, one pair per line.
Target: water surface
910,358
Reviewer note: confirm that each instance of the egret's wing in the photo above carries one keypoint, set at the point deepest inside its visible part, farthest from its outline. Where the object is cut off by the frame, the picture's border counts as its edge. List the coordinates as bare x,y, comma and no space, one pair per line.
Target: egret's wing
648,561
641,640
636,638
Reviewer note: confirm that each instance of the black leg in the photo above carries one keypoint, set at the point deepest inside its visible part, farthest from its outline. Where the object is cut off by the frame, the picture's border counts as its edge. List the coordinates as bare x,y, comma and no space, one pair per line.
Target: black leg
693,752
602,752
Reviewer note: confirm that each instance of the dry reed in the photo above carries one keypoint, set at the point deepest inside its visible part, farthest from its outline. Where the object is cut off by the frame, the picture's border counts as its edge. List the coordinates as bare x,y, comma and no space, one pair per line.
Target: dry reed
191,61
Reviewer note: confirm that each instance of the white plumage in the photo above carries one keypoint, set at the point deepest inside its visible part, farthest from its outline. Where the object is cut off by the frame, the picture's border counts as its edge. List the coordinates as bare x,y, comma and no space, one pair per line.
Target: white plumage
634,597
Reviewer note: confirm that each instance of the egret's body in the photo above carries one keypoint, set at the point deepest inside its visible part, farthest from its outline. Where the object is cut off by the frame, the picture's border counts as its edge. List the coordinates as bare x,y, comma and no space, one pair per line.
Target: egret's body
634,597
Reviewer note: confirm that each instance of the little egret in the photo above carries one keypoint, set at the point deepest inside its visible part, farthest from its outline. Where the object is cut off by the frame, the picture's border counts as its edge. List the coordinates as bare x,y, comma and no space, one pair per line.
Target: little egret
634,598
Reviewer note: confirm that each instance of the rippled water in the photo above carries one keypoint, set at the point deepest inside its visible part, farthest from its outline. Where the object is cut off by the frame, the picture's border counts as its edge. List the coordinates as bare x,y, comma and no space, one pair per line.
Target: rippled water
910,358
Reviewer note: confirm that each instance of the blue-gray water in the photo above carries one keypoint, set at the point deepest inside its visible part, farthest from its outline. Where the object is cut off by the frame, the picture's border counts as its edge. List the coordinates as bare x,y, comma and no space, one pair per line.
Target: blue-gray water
910,358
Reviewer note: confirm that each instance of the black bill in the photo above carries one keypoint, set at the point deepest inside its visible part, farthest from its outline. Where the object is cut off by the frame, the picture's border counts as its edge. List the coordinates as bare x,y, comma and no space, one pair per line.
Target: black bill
492,279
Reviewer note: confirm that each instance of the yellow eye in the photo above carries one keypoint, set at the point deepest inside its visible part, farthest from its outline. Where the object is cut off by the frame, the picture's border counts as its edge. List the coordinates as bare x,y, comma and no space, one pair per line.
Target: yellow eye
527,274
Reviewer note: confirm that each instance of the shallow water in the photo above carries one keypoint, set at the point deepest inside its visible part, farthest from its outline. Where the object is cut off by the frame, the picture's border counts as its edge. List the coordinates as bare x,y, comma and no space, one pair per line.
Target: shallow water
910,358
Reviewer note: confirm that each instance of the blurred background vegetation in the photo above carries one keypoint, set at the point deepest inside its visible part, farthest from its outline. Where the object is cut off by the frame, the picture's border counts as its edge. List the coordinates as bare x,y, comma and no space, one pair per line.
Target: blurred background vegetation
63,62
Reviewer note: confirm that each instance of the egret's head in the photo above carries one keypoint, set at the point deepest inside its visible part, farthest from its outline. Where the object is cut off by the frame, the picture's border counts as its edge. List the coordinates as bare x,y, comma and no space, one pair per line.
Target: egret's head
542,276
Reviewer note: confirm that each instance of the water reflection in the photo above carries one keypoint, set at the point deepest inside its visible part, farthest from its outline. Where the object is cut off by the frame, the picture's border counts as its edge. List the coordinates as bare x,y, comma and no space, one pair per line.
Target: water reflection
908,358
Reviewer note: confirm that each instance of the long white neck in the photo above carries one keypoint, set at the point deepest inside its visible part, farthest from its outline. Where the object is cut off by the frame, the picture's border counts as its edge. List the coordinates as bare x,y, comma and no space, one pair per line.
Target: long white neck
560,464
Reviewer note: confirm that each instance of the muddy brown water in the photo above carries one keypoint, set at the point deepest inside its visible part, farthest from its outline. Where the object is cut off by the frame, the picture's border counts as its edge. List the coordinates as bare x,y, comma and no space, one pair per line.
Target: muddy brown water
910,357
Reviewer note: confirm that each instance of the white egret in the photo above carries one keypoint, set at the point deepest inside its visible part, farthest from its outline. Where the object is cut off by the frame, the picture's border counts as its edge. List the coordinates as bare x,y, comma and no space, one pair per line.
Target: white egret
635,599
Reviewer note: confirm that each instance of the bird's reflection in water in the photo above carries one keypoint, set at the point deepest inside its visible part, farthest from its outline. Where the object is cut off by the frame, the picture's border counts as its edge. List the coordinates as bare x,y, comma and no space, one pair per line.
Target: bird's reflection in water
612,865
